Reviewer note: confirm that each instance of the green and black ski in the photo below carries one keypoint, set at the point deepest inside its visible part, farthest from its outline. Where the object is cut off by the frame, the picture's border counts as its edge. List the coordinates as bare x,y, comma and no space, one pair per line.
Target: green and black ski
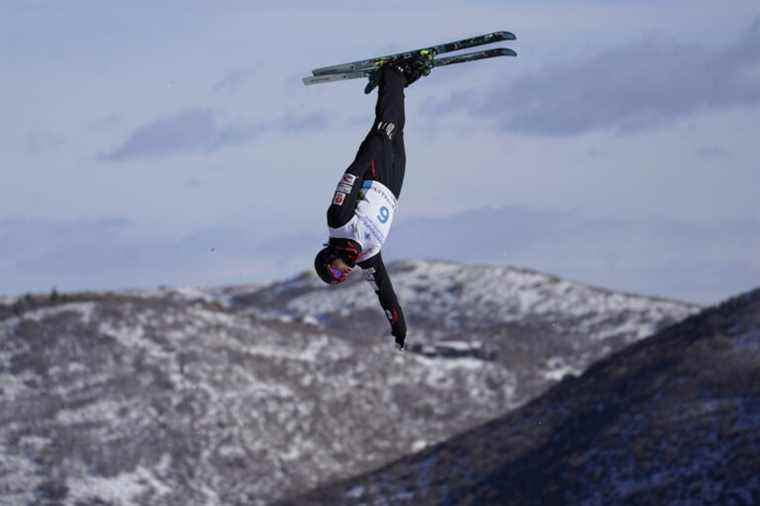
448,47
368,68
437,62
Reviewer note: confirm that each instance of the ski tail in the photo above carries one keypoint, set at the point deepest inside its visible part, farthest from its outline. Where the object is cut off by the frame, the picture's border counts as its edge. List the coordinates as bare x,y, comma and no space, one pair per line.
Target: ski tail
328,78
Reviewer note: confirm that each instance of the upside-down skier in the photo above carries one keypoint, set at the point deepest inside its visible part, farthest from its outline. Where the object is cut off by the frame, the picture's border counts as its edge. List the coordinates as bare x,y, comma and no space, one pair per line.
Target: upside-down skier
363,206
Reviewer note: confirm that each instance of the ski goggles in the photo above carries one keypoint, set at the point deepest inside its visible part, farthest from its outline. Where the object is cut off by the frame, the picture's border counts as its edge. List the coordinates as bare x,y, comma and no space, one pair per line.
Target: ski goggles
337,275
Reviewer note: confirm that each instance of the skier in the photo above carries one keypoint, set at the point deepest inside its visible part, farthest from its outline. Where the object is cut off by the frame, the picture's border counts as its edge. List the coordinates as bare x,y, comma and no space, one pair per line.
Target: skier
365,200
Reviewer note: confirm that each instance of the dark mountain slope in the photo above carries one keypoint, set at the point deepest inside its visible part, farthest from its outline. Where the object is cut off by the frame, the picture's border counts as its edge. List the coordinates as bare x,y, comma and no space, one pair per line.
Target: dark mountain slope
673,419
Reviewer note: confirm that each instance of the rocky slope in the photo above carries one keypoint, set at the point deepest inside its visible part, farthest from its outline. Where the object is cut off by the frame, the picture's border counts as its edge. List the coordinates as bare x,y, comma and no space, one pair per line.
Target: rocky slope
247,394
674,419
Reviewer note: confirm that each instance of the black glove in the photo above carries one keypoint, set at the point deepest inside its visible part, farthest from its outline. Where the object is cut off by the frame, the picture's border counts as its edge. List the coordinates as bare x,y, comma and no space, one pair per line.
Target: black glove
398,330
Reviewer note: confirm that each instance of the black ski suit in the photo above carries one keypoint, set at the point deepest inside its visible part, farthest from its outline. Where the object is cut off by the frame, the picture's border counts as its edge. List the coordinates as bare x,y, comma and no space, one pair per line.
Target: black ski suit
381,157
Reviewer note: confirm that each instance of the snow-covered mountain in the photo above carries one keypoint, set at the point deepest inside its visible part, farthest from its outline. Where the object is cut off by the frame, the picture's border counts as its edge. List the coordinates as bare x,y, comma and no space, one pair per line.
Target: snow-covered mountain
242,395
538,326
674,419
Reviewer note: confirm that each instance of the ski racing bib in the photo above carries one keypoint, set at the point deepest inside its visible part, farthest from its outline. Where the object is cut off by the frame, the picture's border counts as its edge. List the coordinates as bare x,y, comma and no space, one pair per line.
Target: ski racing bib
372,221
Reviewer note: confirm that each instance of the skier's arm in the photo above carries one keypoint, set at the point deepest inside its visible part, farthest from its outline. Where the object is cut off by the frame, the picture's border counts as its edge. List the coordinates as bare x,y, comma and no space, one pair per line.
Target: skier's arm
376,273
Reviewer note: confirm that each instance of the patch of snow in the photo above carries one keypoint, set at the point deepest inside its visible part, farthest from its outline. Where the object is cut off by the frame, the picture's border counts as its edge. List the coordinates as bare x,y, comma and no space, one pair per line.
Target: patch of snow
85,310
355,492
215,317
557,369
95,411
311,320
231,451
460,345
34,443
212,496
308,354
449,363
132,337
20,477
193,293
418,445
13,386
266,390
165,464
122,490
293,453
635,328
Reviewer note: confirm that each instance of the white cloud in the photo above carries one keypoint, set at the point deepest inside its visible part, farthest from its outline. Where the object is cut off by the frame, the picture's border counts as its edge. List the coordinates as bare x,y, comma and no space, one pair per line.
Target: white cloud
630,88
198,131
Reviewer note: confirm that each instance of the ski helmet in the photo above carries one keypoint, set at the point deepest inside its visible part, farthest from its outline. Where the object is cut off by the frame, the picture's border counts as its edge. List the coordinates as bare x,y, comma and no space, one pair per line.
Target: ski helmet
325,270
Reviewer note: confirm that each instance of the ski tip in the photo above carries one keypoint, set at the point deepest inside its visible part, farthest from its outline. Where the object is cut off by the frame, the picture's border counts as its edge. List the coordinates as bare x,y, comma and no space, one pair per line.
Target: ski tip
506,35
501,51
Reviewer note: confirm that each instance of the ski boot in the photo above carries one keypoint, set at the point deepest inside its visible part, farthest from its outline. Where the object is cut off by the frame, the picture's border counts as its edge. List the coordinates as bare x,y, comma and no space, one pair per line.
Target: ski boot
415,67
412,69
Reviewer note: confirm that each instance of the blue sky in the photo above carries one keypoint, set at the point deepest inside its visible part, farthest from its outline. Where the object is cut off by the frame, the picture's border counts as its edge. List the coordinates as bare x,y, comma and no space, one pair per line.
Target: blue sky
175,144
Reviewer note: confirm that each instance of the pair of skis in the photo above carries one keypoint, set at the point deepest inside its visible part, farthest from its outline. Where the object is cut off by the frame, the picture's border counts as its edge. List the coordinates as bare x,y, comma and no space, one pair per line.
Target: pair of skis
368,68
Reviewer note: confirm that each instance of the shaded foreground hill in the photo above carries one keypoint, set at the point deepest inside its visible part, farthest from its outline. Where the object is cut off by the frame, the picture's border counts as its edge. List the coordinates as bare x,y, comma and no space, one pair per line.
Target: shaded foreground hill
673,419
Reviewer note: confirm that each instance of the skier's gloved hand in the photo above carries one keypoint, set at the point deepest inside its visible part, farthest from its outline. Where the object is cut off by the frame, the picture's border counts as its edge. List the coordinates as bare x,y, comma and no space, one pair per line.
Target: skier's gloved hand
398,324
398,330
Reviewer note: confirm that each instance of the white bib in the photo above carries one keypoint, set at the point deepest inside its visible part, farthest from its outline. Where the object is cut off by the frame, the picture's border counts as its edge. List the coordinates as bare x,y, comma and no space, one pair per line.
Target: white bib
372,222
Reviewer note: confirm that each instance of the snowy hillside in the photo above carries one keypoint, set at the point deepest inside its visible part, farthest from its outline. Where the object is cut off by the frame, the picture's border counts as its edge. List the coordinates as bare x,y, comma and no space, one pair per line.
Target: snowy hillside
538,326
476,297
674,419
242,395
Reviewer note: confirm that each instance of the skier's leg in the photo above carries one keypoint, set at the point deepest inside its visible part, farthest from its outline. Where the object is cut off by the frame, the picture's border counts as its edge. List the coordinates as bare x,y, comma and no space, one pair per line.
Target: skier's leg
388,130
399,154
378,155
389,110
